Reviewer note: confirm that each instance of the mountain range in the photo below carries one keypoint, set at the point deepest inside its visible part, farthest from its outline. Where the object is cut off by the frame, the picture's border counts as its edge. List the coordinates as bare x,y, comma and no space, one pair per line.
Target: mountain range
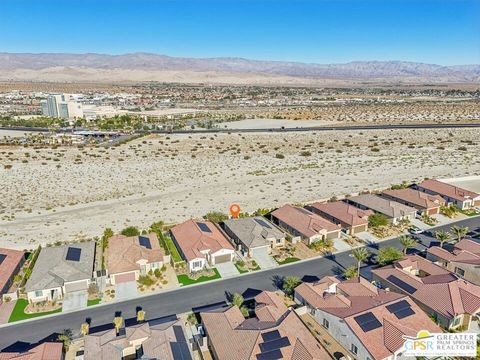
148,67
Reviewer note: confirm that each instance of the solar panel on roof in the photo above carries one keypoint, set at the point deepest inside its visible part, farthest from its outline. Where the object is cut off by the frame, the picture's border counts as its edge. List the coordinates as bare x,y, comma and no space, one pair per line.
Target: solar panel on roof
274,344
270,355
271,335
367,322
2,257
180,351
73,254
398,306
179,334
404,313
263,223
145,242
401,284
204,227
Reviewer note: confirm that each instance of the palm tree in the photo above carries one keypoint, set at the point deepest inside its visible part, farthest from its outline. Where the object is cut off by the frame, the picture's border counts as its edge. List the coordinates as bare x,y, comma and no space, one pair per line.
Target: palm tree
442,236
459,232
84,329
360,254
117,322
140,315
407,243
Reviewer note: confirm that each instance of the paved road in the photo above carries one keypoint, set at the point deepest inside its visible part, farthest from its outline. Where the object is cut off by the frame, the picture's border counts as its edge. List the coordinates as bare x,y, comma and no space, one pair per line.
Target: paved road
313,128
185,299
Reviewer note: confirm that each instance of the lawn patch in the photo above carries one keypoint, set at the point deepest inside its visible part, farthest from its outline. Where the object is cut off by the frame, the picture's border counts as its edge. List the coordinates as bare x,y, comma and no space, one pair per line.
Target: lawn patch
93,302
172,249
240,269
18,312
185,280
286,261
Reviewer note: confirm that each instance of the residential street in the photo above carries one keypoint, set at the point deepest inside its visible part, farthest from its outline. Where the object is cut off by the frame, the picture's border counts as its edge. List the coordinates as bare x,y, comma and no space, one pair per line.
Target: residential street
184,299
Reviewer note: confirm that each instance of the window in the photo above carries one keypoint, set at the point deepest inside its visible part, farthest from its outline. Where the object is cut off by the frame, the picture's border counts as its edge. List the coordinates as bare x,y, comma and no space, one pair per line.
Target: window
279,241
459,271
456,322
354,349
153,265
38,293
311,310
326,324
197,264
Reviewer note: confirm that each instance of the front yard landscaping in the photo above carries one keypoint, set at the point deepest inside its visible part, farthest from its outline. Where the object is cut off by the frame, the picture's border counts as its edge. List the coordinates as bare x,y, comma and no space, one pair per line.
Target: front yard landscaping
93,302
286,261
470,212
19,313
186,279
246,266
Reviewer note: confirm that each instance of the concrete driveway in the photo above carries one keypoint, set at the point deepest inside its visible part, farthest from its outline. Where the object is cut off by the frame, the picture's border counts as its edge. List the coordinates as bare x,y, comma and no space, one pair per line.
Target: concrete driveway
227,269
265,261
420,224
76,300
367,237
126,290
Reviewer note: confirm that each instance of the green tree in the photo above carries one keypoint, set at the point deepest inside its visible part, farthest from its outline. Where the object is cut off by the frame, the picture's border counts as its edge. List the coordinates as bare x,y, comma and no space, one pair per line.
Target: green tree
107,234
442,236
407,243
66,338
376,220
157,227
350,272
140,315
216,216
360,254
84,329
290,283
117,322
237,300
130,231
459,232
388,255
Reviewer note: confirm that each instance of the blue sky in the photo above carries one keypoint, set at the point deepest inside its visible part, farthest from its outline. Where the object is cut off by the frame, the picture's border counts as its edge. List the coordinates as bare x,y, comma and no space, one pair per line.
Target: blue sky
323,31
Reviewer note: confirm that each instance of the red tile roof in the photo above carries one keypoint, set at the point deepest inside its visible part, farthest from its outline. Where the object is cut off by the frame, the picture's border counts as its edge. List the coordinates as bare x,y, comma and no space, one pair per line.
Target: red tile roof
304,221
417,198
235,338
11,259
438,288
347,299
45,351
123,253
344,212
192,240
465,251
445,189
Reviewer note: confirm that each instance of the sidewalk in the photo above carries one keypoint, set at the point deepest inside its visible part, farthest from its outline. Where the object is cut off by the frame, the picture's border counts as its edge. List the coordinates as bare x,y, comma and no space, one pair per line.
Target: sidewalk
6,309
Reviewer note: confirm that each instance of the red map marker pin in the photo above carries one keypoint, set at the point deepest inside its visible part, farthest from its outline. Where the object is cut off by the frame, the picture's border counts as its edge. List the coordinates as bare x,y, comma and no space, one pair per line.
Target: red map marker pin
235,210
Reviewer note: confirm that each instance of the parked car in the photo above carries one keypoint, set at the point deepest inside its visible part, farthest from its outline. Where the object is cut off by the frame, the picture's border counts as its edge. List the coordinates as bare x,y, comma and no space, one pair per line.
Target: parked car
415,230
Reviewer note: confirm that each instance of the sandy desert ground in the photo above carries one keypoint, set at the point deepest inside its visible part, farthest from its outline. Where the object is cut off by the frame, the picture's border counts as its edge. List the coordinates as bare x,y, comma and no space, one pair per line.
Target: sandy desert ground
69,193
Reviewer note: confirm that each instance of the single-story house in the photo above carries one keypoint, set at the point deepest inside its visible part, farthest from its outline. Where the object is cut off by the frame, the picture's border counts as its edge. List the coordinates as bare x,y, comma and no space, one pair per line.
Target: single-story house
60,270
440,293
463,260
369,322
128,257
424,203
275,332
304,224
351,219
44,351
254,235
202,243
462,198
393,210
11,262
148,340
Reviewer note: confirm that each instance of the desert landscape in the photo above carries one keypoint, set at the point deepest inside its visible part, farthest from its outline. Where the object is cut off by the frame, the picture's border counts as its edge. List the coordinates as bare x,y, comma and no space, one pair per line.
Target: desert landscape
66,193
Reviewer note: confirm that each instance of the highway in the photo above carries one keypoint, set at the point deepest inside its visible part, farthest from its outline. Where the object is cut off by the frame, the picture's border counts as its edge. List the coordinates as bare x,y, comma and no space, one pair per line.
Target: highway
187,298
276,129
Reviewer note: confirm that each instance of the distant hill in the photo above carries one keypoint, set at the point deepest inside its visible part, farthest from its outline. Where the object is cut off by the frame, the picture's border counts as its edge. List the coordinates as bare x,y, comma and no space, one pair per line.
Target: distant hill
146,66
